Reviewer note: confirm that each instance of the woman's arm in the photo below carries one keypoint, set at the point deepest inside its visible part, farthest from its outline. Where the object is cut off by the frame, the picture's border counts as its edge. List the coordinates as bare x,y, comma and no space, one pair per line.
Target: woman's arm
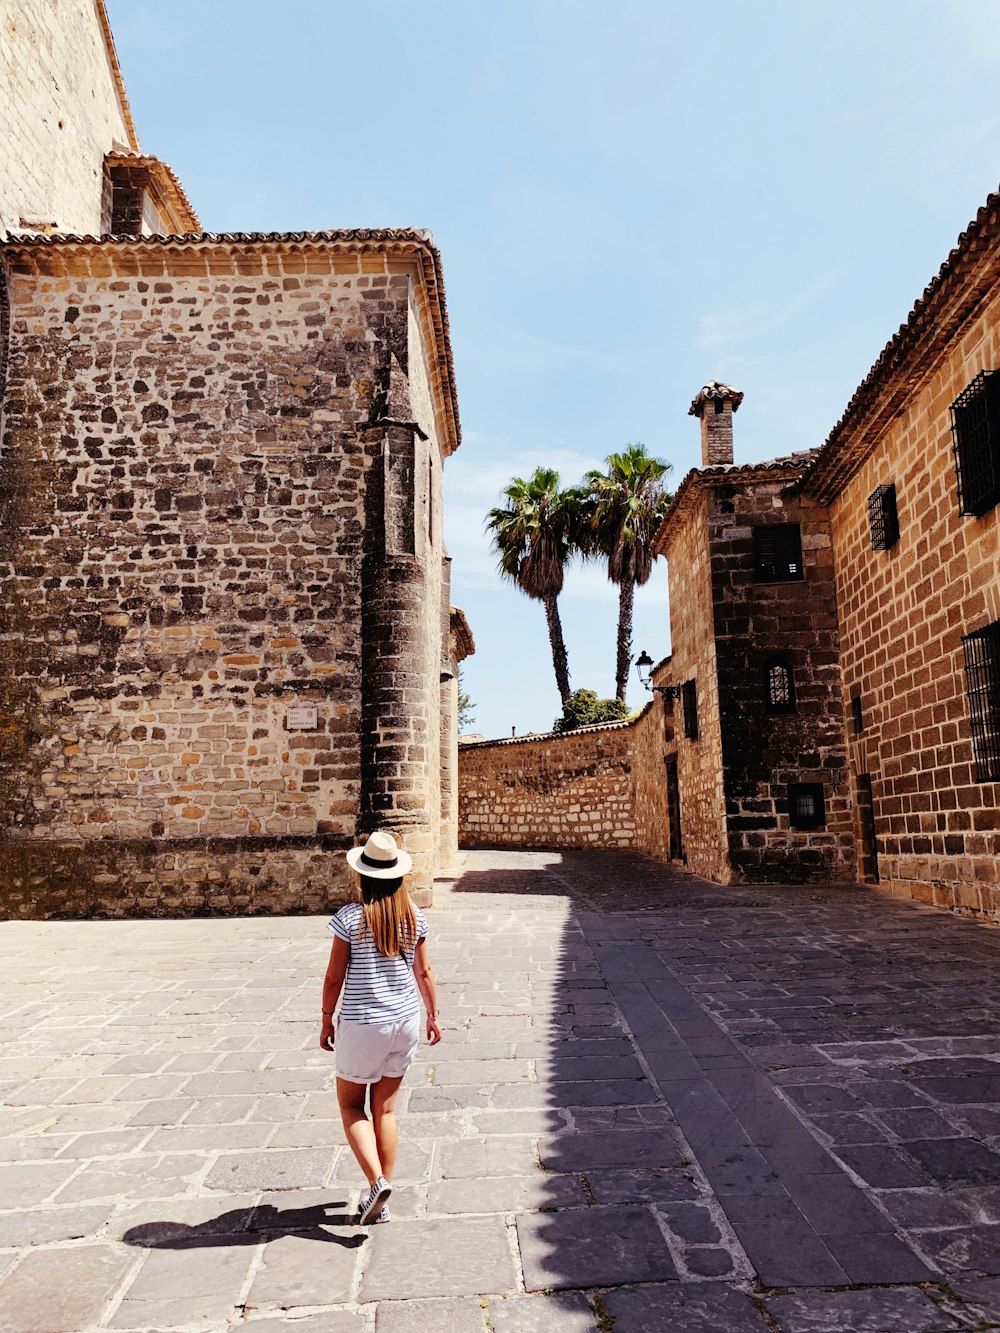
424,974
333,983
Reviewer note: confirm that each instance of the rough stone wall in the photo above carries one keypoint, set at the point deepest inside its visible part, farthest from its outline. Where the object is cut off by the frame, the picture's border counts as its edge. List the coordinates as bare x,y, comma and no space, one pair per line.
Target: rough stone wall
763,752
559,790
652,734
693,657
449,772
204,515
596,787
61,115
903,613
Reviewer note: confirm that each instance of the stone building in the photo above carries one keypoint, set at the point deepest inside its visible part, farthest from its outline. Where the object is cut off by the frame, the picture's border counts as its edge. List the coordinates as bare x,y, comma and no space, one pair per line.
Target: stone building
758,768
227,647
910,479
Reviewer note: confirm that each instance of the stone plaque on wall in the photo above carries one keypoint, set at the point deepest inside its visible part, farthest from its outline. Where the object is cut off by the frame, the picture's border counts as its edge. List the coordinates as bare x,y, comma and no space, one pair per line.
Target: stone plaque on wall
302,717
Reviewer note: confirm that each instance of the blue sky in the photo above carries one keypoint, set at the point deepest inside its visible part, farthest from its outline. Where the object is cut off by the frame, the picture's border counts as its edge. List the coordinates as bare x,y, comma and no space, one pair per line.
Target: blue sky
629,200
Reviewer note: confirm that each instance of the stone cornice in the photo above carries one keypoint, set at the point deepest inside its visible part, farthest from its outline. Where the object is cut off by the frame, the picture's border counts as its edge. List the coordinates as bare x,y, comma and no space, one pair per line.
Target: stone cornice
966,280
364,250
171,197
465,644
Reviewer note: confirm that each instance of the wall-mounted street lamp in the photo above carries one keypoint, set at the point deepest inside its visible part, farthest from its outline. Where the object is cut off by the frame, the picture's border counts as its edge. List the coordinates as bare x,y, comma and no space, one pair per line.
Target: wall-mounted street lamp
643,666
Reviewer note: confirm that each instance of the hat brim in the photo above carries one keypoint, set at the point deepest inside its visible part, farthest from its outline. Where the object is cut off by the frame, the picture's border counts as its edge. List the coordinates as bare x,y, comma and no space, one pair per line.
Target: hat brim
402,866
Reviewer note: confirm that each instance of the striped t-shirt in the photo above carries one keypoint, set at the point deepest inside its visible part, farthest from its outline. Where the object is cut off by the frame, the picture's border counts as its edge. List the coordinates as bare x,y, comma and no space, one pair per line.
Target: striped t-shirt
377,989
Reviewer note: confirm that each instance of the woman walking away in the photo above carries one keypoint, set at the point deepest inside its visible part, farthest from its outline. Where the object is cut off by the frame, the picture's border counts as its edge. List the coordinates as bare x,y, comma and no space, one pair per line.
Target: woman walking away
379,961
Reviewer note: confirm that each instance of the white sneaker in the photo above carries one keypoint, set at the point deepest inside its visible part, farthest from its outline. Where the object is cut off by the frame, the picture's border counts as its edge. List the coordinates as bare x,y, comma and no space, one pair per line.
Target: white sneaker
384,1216
374,1201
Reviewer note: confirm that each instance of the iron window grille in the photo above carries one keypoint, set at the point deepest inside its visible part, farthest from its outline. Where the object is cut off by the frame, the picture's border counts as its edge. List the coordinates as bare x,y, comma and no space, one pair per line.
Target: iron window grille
777,553
780,686
806,807
975,431
982,690
857,715
883,517
689,704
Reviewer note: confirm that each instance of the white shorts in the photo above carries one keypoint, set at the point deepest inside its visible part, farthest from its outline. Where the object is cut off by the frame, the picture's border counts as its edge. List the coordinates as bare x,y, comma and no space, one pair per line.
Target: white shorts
366,1052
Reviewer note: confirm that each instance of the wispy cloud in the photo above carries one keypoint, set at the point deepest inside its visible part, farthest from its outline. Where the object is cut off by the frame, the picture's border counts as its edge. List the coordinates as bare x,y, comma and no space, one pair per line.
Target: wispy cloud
497,351
730,328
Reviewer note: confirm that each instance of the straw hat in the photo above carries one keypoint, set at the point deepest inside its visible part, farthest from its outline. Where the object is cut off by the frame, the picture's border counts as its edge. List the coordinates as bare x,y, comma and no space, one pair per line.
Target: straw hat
380,858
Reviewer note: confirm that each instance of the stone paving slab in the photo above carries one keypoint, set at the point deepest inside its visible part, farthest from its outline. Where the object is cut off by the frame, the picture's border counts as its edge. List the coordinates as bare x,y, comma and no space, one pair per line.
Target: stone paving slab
657,1102
560,1312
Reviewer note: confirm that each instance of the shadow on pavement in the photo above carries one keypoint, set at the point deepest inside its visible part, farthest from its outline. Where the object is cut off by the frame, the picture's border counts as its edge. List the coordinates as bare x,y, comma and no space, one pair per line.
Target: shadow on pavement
245,1226
620,1224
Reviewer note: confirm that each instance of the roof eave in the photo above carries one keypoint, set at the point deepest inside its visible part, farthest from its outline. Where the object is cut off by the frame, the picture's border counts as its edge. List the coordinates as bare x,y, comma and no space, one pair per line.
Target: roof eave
56,255
951,300
726,474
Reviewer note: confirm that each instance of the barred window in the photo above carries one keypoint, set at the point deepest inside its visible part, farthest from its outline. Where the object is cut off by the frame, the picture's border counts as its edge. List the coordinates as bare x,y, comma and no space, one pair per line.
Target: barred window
777,553
689,703
780,693
883,517
975,431
806,807
982,690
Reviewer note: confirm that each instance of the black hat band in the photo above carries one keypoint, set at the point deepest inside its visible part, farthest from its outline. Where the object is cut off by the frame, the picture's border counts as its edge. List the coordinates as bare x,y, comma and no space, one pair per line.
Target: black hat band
378,865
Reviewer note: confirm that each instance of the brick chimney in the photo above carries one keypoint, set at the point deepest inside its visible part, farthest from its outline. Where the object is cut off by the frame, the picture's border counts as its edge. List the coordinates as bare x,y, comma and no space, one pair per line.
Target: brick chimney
715,405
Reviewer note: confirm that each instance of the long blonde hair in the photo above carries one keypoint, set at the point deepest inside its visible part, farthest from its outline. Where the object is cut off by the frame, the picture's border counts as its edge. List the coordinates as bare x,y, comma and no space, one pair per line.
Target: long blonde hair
388,915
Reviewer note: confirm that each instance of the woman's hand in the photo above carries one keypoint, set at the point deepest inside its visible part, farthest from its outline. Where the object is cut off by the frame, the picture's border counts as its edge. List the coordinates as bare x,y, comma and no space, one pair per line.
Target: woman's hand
326,1034
433,1030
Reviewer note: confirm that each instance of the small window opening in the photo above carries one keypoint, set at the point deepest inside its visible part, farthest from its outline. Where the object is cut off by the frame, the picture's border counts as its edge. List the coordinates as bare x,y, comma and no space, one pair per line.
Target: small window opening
883,517
689,704
780,686
857,714
430,500
982,693
975,432
777,553
805,805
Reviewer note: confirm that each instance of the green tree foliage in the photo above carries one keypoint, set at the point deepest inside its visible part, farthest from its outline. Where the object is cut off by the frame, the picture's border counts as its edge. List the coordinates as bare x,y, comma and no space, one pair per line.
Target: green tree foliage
466,708
617,518
533,536
584,709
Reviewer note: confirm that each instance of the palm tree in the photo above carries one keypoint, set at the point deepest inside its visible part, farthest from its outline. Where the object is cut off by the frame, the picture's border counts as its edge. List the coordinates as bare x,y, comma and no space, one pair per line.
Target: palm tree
622,509
533,536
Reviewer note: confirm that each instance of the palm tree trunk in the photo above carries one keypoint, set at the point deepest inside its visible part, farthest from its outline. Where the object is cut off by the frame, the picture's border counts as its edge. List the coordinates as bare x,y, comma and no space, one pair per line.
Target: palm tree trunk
626,600
560,662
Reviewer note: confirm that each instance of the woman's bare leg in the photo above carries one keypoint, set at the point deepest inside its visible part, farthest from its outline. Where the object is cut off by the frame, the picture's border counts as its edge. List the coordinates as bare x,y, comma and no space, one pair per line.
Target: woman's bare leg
384,1122
358,1128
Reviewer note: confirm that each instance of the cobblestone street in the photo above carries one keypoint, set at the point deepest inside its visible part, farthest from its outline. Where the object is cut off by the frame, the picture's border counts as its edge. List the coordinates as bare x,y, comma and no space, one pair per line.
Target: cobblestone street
660,1107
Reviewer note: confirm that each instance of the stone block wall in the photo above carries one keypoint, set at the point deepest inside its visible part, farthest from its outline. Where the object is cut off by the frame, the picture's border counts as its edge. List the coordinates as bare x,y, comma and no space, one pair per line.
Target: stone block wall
652,736
595,787
62,114
693,647
903,613
213,588
763,752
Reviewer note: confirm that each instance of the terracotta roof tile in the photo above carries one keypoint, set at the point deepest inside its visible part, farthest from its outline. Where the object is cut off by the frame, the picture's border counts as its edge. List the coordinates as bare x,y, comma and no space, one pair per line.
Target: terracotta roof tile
463,634
166,177
711,392
794,465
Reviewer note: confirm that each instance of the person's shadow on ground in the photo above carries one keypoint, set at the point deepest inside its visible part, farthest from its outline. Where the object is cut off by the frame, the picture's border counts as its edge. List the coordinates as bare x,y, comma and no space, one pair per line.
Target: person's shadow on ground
245,1226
